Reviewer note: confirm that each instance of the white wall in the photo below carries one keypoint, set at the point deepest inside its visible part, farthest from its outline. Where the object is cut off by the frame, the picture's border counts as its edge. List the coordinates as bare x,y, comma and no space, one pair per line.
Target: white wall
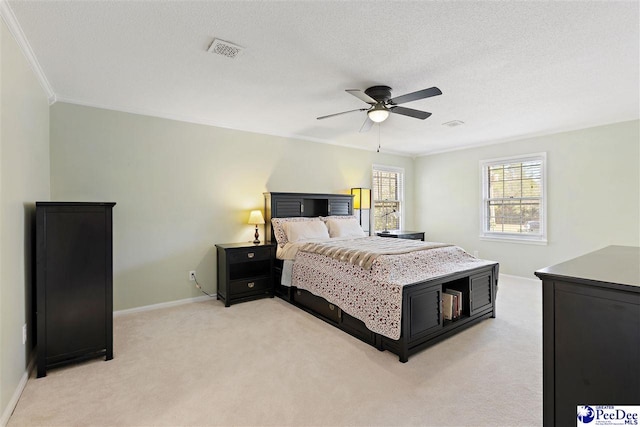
180,188
593,196
24,178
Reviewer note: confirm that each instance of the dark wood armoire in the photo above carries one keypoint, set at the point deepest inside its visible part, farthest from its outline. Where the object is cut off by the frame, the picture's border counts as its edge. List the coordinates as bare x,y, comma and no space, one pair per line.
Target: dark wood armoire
74,282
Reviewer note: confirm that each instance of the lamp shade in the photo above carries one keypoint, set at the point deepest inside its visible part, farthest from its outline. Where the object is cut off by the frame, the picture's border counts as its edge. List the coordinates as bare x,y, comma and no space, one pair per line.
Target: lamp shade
255,217
362,198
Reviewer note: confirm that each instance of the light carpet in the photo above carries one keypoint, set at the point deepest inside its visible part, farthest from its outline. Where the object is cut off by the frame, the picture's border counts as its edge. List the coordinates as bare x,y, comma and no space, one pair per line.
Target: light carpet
266,362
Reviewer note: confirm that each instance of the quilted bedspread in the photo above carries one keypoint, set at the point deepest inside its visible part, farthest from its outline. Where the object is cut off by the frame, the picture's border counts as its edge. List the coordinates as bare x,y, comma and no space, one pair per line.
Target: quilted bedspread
374,295
364,252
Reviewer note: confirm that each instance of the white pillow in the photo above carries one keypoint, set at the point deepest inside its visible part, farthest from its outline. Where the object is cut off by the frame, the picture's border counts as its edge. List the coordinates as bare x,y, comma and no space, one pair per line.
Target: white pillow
278,227
344,228
307,230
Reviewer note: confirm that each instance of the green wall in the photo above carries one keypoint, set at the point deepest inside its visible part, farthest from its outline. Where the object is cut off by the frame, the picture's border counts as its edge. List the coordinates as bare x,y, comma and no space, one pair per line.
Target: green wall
24,178
180,188
183,187
593,201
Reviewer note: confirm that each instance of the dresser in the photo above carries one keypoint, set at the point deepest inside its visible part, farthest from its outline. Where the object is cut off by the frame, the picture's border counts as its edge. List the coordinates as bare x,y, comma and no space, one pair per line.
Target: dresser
74,282
245,271
591,332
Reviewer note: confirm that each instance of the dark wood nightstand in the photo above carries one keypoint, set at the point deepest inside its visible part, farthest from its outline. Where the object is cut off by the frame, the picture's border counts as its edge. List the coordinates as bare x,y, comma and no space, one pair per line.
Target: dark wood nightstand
245,271
403,234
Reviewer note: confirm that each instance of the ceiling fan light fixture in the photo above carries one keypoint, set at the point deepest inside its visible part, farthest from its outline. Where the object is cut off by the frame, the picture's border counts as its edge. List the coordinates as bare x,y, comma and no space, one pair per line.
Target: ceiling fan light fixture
378,113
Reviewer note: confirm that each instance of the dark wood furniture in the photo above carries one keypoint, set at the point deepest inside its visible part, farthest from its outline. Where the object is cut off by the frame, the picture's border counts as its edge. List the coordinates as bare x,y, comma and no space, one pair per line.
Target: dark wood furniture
245,271
284,205
403,234
422,320
591,332
74,282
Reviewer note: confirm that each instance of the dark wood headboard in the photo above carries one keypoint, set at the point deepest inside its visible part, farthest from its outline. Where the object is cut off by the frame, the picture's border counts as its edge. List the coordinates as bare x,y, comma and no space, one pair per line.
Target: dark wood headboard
285,205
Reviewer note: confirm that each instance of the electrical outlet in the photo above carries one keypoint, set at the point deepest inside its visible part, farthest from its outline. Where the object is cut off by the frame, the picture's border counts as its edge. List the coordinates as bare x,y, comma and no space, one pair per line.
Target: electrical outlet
192,275
24,333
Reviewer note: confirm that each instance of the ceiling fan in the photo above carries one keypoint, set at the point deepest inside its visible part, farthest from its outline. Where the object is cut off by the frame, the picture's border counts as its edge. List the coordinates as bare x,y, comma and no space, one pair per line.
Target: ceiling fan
381,104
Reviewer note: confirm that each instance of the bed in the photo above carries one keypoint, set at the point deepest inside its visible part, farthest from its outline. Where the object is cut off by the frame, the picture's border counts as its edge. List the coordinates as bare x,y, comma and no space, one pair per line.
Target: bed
386,292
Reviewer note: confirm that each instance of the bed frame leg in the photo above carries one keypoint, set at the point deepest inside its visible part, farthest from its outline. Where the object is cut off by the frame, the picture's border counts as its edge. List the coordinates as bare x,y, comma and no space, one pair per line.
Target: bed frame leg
404,352
378,342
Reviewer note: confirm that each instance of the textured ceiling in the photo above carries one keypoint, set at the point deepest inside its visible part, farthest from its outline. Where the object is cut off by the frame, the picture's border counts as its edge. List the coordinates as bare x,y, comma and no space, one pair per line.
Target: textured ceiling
508,70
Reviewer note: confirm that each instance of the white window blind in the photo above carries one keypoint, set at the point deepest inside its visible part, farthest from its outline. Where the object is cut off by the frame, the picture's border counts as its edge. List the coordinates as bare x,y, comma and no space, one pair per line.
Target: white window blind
513,198
388,194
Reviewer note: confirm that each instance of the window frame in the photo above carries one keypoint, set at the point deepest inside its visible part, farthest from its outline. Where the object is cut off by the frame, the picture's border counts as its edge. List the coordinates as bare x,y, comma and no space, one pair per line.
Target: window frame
485,234
400,200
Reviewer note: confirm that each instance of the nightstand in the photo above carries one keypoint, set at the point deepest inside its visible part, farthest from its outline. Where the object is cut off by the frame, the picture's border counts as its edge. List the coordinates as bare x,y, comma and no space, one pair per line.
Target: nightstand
403,234
245,271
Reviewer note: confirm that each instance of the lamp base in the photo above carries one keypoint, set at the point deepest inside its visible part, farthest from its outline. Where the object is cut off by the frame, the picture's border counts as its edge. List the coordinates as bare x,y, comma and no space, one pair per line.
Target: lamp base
385,232
257,237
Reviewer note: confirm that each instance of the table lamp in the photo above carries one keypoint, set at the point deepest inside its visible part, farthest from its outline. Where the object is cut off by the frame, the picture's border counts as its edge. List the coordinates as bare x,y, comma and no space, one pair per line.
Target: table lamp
255,218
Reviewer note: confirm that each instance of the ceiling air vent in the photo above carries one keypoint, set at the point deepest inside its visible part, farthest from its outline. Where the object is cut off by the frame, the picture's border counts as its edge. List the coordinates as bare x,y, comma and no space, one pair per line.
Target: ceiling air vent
224,48
453,123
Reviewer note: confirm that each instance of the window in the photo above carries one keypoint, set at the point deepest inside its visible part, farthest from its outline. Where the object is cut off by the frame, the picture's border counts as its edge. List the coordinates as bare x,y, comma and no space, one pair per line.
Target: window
513,198
388,192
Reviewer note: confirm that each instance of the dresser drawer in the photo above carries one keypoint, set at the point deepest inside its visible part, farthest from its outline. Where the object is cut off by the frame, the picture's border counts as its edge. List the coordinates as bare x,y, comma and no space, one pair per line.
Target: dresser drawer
257,285
248,254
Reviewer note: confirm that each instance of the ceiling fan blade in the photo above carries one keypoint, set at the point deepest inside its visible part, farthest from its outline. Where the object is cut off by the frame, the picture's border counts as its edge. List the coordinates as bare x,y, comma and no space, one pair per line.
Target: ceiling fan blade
344,112
361,95
414,96
417,114
366,125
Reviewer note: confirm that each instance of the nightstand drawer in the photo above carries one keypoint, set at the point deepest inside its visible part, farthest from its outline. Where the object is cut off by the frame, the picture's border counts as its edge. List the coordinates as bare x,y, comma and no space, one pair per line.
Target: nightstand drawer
401,234
257,285
249,254
412,236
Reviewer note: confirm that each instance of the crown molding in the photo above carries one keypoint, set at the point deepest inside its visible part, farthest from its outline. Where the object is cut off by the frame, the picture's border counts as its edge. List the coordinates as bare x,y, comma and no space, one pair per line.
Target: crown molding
16,31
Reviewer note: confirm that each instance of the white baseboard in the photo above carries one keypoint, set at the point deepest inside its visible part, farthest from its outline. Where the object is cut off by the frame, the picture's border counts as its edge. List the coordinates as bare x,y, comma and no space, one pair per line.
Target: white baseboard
530,279
6,414
161,305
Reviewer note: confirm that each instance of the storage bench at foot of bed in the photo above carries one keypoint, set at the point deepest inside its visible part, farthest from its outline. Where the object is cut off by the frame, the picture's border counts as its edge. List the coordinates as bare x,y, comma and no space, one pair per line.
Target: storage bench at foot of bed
413,346
423,323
